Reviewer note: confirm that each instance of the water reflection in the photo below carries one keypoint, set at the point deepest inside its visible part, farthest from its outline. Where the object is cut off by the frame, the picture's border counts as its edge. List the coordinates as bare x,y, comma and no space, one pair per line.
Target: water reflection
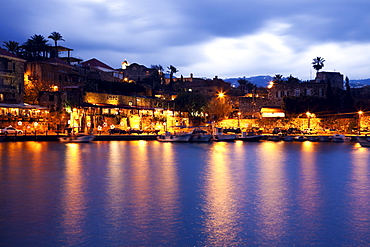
152,188
309,191
115,187
273,205
74,201
220,197
358,195
141,193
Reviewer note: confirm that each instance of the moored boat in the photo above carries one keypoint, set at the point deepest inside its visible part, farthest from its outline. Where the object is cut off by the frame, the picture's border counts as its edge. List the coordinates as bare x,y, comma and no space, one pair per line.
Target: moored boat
274,138
300,138
177,137
313,138
287,138
364,141
249,137
218,135
324,138
78,138
199,135
340,138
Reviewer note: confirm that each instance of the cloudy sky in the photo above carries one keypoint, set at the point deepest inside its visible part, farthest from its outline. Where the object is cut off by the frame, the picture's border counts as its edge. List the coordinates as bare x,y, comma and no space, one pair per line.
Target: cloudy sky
233,38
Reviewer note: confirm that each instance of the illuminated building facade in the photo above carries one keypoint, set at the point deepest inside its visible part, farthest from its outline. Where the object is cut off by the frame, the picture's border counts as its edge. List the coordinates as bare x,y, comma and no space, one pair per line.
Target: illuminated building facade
11,78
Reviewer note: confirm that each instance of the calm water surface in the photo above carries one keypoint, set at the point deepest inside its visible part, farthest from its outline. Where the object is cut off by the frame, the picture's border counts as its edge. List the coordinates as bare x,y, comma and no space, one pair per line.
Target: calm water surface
142,193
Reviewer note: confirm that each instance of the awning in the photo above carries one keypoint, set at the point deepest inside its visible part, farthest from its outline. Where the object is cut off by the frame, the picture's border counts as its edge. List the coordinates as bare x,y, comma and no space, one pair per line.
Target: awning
121,106
23,106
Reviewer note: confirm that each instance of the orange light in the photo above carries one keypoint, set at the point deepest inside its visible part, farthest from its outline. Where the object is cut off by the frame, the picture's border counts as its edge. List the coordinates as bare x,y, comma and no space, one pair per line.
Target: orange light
221,95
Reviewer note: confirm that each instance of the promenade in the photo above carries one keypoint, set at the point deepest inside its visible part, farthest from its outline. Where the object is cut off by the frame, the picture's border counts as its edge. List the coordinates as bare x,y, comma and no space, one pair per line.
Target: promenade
115,137
22,138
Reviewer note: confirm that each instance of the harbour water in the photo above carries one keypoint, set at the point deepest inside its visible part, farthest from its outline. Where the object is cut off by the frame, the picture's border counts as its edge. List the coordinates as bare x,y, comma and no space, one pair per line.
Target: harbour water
147,193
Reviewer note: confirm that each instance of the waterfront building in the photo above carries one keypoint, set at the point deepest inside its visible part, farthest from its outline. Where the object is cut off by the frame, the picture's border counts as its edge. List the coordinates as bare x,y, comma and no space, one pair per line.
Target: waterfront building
11,78
105,111
97,70
318,87
137,73
50,75
204,86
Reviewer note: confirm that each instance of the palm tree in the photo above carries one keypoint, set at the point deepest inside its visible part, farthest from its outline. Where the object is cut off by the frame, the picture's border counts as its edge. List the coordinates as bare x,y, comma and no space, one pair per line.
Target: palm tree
56,37
159,69
242,82
318,63
278,78
172,70
12,47
36,47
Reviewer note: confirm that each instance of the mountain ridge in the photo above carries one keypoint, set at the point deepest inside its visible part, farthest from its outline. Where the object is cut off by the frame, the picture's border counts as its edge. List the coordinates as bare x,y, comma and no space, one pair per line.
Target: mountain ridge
264,80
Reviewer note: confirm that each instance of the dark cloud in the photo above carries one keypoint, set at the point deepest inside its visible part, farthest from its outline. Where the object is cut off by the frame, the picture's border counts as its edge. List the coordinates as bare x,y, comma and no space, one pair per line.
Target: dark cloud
196,34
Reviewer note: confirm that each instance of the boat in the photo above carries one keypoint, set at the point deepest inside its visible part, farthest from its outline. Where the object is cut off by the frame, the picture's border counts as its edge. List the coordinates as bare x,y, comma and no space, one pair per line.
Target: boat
287,138
78,138
250,137
199,135
364,141
324,138
218,135
176,137
340,138
313,138
274,138
300,138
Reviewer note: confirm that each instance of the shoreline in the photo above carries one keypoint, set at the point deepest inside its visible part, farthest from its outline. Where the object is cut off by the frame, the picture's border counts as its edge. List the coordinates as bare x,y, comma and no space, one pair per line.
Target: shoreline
51,138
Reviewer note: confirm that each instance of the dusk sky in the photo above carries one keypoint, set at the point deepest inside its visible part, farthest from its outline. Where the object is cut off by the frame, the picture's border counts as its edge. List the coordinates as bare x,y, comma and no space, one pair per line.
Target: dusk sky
231,38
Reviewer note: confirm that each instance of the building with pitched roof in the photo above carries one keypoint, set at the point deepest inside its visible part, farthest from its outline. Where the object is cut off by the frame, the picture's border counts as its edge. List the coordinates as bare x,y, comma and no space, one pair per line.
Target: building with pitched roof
97,70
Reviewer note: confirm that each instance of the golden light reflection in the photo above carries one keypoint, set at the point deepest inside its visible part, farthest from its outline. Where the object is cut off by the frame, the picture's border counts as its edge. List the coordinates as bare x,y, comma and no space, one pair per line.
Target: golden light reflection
74,202
221,205
272,191
359,192
309,196
38,154
115,175
164,191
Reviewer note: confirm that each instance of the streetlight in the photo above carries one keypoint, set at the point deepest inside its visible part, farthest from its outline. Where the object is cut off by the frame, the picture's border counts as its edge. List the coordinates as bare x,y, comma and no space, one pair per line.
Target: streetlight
309,118
239,113
359,121
221,95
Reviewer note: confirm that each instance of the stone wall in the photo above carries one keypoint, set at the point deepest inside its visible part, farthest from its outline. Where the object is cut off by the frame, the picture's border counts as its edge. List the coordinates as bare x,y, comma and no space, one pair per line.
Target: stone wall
340,125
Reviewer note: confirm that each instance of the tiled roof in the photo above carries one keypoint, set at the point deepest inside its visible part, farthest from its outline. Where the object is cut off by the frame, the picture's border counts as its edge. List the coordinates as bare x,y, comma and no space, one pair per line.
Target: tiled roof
96,63
4,52
56,60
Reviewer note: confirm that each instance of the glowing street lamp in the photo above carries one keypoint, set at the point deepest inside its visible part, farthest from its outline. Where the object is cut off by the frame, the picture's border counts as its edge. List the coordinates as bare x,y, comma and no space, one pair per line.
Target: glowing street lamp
271,84
221,95
309,114
359,121
239,113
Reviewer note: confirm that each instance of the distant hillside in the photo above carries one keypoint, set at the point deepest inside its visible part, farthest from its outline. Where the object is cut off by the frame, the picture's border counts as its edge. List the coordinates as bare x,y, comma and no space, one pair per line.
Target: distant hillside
359,83
264,80
261,81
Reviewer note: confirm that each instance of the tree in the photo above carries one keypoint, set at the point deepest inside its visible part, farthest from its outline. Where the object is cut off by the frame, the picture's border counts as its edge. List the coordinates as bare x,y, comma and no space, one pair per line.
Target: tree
348,102
56,37
160,80
191,102
36,48
218,108
278,78
172,70
318,63
292,79
12,47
